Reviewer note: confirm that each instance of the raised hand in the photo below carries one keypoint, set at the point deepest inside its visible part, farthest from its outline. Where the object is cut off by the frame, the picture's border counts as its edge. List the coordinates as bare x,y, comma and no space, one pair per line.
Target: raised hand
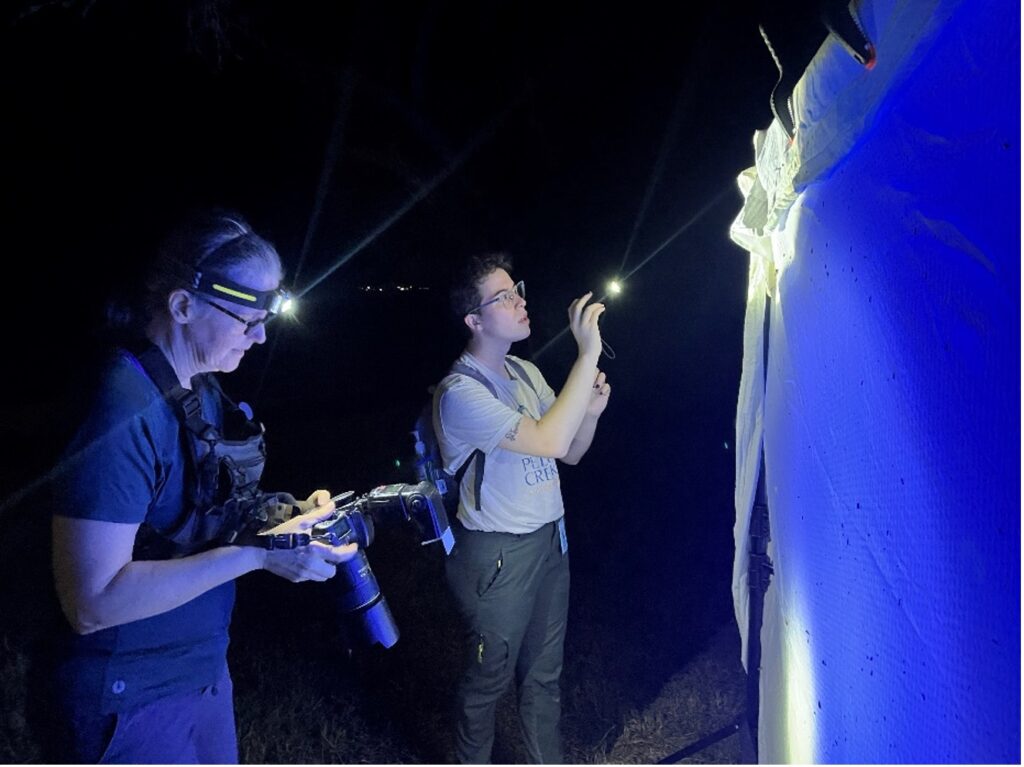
583,324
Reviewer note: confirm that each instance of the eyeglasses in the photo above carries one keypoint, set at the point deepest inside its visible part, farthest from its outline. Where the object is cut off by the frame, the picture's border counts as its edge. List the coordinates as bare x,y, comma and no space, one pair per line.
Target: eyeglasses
249,324
508,298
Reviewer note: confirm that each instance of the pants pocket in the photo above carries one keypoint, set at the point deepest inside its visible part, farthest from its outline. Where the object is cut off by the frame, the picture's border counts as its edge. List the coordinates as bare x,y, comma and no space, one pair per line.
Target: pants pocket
489,576
490,655
116,725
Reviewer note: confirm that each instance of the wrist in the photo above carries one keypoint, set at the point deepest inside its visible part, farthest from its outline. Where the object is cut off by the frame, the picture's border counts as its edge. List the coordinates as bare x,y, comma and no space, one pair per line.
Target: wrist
246,559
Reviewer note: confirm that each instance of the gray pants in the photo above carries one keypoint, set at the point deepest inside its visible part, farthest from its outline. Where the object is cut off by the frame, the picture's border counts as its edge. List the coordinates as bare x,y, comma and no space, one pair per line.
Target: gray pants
513,591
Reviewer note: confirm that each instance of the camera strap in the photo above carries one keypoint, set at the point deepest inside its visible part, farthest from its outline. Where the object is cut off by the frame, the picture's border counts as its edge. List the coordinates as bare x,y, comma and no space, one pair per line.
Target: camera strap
282,541
275,542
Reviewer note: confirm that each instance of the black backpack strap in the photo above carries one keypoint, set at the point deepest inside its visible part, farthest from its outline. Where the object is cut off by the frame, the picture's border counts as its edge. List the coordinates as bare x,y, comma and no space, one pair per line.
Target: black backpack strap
187,406
478,480
521,373
476,375
187,403
477,455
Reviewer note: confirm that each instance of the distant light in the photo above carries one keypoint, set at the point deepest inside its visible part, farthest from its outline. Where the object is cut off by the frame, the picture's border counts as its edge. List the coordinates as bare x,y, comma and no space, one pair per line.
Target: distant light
398,464
391,288
725,445
614,287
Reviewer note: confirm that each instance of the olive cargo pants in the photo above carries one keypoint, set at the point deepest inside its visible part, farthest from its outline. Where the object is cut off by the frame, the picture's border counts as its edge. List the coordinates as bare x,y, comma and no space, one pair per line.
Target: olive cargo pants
513,591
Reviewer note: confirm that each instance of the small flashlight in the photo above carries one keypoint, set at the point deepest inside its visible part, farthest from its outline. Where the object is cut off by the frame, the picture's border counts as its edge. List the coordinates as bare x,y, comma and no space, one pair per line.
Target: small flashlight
614,287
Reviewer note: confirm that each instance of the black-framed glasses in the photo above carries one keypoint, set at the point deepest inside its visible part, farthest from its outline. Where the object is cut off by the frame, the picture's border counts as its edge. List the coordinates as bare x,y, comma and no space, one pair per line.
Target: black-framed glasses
508,298
249,324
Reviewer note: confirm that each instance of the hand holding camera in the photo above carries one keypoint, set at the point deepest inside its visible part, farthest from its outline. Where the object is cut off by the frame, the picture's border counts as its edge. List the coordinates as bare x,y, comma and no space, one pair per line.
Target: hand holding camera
335,531
316,561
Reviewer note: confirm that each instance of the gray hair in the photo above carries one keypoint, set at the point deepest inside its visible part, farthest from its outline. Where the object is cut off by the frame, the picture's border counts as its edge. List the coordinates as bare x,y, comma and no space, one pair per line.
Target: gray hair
212,240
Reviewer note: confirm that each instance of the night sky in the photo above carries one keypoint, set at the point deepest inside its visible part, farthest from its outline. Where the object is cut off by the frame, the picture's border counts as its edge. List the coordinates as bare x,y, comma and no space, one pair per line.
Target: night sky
578,137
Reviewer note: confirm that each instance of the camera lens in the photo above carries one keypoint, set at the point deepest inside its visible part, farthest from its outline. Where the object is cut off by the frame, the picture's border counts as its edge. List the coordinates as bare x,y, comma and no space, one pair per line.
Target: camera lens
361,599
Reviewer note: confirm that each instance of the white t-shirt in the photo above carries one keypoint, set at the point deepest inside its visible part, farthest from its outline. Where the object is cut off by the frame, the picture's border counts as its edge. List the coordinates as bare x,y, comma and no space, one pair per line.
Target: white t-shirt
520,493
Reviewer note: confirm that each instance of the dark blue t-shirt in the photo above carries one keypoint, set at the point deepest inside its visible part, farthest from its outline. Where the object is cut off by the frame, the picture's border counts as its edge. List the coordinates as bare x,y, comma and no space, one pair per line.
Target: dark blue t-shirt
126,464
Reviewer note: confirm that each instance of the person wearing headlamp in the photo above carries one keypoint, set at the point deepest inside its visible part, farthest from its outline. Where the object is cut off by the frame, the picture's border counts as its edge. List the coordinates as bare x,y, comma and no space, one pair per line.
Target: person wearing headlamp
154,494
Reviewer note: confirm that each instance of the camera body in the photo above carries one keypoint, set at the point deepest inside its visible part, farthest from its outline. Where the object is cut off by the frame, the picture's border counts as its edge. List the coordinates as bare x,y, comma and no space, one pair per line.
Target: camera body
353,521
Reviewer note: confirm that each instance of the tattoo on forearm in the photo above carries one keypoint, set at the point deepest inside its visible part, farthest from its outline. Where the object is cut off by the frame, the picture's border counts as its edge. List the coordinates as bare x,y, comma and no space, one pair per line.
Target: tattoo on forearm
513,432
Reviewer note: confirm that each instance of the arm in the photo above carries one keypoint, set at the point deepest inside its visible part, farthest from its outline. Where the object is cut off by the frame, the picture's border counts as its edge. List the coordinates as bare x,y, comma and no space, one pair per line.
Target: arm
100,586
585,434
552,435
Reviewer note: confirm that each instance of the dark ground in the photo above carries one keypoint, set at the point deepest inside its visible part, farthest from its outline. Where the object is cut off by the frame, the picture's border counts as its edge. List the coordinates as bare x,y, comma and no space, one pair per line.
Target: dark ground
594,133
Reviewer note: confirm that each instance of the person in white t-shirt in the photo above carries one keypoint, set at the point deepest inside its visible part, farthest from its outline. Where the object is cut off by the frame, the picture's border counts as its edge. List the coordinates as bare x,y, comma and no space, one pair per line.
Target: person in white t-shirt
509,570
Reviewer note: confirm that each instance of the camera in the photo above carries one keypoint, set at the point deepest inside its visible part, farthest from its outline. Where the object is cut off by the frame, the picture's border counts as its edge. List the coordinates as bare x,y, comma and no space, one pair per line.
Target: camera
353,521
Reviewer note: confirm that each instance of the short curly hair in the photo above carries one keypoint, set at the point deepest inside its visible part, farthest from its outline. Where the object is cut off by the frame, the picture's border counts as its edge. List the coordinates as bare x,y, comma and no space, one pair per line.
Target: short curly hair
465,287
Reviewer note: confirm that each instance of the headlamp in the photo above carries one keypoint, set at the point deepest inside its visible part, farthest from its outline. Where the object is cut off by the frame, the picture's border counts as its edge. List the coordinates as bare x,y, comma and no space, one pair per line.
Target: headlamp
217,285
